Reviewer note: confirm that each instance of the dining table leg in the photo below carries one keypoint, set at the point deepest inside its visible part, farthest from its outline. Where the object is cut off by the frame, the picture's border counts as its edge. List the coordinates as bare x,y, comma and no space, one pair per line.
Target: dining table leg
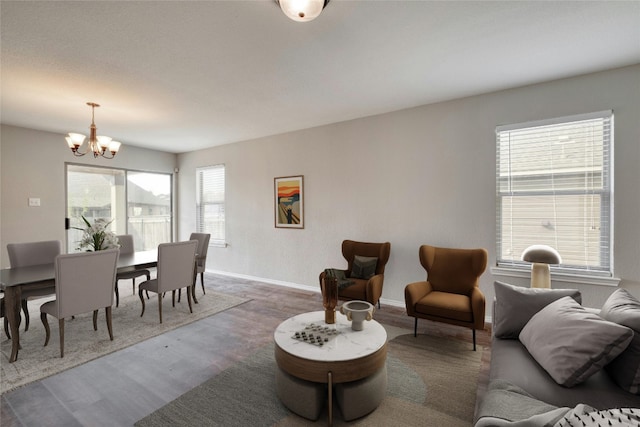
12,297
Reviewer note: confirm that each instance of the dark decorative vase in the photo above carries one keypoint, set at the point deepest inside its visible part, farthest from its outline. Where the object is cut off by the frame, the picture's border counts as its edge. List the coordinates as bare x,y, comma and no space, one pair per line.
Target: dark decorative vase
329,298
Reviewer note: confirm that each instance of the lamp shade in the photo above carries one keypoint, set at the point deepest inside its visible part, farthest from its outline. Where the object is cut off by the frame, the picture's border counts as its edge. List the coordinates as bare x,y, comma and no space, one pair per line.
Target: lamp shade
302,10
542,254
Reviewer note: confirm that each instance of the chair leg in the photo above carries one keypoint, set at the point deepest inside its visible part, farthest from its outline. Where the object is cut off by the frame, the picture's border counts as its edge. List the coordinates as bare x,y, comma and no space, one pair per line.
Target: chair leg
47,331
415,327
202,283
148,278
141,300
160,307
117,294
474,339
25,310
95,320
6,321
6,328
109,324
61,323
189,290
179,296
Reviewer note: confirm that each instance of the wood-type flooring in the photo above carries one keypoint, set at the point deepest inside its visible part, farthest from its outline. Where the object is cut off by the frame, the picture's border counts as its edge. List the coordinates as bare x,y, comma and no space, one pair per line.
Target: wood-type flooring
123,387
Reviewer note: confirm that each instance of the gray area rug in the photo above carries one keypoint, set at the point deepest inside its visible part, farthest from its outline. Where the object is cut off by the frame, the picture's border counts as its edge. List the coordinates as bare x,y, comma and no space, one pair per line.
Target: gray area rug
432,381
83,344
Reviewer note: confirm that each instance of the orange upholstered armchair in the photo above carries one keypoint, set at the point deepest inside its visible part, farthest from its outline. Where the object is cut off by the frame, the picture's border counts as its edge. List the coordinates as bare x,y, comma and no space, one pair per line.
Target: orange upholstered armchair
451,293
366,275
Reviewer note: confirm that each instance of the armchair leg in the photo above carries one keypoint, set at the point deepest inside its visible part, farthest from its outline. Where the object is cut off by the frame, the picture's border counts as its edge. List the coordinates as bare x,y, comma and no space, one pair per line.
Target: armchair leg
474,339
415,328
95,320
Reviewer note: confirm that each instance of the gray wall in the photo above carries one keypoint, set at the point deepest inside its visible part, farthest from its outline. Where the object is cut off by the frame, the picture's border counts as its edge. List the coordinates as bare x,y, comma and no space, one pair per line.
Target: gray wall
33,165
424,175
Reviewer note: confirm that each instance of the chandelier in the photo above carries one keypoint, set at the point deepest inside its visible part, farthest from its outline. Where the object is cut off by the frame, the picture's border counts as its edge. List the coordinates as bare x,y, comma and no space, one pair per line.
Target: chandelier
99,145
302,10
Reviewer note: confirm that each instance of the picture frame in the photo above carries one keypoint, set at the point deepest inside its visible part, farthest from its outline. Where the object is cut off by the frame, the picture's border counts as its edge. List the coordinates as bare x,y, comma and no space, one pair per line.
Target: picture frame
289,201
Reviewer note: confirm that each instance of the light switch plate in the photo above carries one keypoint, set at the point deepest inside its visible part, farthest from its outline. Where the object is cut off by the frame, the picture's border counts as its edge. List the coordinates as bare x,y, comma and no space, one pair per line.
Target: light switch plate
34,201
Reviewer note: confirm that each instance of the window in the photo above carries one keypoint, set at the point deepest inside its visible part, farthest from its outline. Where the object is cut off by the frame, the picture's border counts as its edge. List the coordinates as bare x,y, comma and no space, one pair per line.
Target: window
137,203
210,212
148,209
555,187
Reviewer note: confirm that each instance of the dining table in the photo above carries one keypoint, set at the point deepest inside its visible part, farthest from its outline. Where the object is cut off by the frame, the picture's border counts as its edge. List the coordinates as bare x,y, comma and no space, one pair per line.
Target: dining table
14,280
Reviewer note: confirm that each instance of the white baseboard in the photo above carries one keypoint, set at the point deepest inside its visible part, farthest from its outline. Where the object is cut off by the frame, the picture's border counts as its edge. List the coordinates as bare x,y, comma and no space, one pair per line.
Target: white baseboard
386,301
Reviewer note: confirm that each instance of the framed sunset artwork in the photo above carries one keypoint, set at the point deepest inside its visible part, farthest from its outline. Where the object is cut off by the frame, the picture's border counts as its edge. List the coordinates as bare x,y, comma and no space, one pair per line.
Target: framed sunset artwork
289,201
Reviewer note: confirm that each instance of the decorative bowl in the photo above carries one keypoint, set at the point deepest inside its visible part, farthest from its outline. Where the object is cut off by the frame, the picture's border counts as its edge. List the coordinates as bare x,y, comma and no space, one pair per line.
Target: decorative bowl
357,312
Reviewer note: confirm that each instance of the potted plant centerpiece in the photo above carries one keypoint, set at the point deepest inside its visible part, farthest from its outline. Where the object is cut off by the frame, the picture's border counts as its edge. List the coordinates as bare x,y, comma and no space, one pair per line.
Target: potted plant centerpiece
96,237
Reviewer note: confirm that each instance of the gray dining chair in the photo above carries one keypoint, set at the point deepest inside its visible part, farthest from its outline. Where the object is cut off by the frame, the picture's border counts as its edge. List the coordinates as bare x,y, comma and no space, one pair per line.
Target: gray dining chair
84,283
126,248
201,258
175,270
34,253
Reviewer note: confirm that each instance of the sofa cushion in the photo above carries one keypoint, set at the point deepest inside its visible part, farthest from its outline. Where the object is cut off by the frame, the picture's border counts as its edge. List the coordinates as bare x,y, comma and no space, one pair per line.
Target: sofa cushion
446,305
364,267
622,308
572,344
510,361
358,290
515,305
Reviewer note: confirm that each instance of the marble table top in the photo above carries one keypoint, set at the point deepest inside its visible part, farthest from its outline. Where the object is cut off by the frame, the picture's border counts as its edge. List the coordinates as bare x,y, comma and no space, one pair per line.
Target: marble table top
347,344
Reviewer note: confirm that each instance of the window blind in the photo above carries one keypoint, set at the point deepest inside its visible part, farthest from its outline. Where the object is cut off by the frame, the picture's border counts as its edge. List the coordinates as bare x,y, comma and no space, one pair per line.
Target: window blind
210,203
554,187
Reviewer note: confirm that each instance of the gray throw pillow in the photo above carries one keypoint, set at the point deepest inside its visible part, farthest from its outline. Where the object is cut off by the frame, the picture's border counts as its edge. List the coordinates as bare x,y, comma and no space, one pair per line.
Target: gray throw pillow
624,309
571,343
363,267
515,305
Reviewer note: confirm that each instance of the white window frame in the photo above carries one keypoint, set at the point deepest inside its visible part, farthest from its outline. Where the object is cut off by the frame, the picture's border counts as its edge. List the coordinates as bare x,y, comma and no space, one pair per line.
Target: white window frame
121,217
215,186
594,274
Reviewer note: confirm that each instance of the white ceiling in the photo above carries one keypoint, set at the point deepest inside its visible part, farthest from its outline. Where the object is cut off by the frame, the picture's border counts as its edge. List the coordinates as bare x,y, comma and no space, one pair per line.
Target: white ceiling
185,75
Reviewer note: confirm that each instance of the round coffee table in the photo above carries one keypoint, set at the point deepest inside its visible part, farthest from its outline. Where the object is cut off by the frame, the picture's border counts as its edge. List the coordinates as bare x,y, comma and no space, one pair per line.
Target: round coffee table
346,357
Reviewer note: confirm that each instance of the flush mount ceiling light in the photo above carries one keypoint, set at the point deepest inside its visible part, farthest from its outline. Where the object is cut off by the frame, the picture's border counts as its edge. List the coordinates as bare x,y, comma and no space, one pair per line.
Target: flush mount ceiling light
302,10
98,145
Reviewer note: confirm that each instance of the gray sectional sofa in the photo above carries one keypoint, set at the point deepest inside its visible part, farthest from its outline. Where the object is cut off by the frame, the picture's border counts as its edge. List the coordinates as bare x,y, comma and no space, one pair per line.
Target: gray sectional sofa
551,359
